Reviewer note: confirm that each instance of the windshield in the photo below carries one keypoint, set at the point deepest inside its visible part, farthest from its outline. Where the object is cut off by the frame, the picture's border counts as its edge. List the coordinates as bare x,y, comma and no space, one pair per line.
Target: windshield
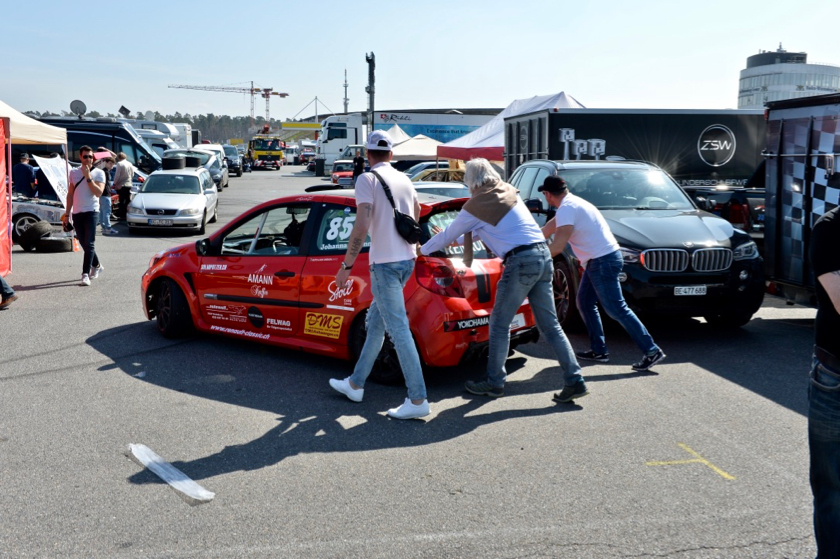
450,191
620,189
267,145
230,150
442,220
202,156
171,184
338,167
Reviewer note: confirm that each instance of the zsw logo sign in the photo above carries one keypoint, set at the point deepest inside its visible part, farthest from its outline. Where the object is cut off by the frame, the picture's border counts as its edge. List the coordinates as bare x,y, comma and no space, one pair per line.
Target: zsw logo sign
716,145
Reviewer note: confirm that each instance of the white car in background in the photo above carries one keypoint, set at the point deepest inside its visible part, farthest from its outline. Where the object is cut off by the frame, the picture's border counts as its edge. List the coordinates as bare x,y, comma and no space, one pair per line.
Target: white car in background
175,199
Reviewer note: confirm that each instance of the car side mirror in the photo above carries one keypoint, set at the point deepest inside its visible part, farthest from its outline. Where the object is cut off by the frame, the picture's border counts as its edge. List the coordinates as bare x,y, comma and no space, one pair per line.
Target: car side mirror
203,247
534,206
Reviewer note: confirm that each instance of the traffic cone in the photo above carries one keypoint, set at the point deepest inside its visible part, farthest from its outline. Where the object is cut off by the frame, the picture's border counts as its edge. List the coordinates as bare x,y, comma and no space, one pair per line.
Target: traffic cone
76,246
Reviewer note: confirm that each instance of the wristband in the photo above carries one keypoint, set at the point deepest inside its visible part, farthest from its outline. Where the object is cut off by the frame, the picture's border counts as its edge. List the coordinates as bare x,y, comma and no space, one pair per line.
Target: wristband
344,266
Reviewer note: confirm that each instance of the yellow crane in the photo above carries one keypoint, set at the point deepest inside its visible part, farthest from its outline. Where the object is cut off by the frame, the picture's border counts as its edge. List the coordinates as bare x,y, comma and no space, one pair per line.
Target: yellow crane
264,92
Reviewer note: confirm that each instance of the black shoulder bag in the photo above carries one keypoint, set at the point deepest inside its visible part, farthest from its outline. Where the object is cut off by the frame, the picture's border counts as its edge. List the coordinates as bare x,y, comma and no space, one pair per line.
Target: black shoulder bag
407,227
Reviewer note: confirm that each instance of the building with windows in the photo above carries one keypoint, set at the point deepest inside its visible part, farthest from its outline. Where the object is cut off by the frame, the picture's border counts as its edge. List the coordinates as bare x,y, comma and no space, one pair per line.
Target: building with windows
777,75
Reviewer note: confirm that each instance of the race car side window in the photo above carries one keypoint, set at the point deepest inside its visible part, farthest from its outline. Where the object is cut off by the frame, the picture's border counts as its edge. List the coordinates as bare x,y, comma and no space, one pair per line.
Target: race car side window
334,230
275,232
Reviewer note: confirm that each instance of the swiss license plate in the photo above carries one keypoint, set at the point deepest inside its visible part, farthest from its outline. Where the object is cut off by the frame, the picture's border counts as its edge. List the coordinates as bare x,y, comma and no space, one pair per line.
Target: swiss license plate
160,222
518,322
690,290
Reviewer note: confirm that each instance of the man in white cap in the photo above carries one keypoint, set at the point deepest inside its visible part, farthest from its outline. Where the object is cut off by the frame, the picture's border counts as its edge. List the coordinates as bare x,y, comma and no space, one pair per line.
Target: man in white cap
391,265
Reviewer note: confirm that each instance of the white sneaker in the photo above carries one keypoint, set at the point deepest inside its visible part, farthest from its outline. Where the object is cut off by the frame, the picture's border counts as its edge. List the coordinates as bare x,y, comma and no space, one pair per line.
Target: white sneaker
343,386
410,411
96,271
85,280
113,231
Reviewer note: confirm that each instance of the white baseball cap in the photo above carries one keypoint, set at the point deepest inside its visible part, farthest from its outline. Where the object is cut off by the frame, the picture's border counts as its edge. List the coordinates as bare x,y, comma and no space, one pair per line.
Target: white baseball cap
379,140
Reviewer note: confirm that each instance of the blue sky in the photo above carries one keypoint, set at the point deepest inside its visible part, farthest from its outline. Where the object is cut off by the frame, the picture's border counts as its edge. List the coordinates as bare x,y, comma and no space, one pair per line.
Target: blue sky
429,54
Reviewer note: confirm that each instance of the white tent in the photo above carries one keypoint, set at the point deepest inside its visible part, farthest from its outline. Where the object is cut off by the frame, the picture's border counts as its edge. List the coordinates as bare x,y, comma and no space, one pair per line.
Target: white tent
25,130
418,148
397,135
489,140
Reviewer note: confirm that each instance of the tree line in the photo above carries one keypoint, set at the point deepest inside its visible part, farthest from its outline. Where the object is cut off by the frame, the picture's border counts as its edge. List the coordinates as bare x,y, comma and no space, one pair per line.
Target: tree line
216,128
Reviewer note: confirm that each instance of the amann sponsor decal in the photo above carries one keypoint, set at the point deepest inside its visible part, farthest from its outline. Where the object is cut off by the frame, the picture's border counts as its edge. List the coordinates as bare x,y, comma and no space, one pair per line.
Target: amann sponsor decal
261,279
325,325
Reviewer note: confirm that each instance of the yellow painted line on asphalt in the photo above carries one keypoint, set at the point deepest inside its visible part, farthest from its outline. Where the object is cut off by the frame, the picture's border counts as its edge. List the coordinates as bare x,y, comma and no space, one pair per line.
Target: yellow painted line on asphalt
696,460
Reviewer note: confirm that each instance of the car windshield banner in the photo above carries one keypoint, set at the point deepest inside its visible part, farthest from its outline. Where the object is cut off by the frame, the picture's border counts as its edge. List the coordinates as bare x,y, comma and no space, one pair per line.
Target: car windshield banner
55,170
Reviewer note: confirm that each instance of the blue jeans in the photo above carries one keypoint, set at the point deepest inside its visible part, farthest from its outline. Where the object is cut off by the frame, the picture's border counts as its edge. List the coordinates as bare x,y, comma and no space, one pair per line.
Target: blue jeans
527,274
600,283
387,313
824,442
6,290
105,212
85,224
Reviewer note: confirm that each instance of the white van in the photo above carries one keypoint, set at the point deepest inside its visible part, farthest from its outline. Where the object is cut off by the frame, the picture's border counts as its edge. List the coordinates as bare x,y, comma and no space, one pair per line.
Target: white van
291,155
158,141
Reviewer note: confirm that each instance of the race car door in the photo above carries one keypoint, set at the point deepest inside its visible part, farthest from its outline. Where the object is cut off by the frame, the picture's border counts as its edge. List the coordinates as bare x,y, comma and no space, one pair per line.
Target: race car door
252,288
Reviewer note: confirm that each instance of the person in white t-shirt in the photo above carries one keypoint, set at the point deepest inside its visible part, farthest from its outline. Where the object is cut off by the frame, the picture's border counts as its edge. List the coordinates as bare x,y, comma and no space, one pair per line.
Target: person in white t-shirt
84,187
391,265
580,225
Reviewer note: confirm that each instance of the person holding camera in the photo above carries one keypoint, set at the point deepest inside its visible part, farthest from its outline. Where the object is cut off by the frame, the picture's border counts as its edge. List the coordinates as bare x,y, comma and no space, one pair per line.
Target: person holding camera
391,265
497,215
84,187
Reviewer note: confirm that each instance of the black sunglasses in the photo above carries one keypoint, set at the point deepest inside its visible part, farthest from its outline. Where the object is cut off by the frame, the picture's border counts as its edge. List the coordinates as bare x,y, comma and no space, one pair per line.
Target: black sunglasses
87,157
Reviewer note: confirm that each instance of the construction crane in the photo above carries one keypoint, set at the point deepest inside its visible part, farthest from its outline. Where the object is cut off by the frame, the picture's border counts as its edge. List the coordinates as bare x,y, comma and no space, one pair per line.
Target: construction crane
264,92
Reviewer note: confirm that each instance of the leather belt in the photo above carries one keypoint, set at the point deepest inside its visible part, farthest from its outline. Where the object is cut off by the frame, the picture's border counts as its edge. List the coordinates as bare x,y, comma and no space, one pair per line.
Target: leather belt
827,358
520,248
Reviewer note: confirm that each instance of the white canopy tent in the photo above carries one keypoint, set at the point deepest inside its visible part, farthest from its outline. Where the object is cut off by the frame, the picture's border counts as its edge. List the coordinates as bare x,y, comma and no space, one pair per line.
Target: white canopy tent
418,148
397,135
28,131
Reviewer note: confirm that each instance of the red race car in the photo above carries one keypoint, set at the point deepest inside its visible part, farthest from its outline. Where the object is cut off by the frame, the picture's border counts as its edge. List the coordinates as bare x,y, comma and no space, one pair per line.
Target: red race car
269,276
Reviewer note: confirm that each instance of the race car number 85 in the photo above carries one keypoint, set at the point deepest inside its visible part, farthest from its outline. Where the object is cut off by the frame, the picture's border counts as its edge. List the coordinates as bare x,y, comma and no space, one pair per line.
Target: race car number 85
340,228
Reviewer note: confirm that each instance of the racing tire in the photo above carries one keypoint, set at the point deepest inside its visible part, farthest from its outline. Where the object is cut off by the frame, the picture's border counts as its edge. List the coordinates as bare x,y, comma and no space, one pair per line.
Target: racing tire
215,217
174,319
565,293
33,234
386,369
239,173
203,229
21,223
54,244
729,320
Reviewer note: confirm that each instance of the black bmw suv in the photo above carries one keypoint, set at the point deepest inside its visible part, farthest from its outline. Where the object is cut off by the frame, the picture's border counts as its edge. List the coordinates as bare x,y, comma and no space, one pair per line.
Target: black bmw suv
678,260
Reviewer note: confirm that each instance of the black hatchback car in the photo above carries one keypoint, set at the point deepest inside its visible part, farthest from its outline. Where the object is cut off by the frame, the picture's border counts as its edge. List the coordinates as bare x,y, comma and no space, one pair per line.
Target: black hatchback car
678,259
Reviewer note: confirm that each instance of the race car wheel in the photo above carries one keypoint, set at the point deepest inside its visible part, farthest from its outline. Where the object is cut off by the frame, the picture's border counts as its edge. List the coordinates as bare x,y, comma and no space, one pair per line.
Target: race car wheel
54,244
564,294
33,233
386,368
173,313
21,223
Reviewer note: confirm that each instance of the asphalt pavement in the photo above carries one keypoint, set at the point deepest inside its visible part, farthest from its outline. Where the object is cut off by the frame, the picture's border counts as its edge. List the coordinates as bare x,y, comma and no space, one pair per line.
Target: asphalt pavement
705,456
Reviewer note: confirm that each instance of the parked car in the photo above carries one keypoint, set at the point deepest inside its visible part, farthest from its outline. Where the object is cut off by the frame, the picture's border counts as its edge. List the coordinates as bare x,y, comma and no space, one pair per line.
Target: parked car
26,212
450,190
439,175
219,152
310,166
185,198
209,161
417,168
234,160
342,174
678,260
268,276
306,155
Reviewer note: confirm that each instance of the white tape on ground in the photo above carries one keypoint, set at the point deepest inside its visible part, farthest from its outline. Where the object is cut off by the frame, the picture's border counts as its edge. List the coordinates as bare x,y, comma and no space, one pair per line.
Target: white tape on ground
187,489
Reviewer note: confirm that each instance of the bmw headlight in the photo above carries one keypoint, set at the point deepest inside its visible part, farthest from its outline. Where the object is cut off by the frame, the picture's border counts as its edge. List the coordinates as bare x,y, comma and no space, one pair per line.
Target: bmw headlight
630,256
156,258
190,211
132,209
746,251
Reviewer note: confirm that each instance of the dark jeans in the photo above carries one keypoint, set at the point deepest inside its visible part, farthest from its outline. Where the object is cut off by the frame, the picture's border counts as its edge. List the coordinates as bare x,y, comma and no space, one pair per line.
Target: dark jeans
125,198
5,289
85,224
824,441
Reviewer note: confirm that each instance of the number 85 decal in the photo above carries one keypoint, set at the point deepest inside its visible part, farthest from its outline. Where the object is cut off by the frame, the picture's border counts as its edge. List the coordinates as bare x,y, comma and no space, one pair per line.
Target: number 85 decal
340,227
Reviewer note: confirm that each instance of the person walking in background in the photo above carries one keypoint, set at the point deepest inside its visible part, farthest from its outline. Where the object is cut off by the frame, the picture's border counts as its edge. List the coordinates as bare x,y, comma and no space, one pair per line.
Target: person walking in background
391,265
123,176
824,388
106,164
85,185
580,225
23,177
497,215
7,294
358,166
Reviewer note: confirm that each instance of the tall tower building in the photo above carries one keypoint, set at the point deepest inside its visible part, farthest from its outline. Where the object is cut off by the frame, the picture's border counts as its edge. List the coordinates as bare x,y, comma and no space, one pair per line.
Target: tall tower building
772,76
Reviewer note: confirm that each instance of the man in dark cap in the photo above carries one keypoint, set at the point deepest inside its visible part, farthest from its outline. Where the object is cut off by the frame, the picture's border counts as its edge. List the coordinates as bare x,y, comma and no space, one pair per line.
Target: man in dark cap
580,225
23,177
